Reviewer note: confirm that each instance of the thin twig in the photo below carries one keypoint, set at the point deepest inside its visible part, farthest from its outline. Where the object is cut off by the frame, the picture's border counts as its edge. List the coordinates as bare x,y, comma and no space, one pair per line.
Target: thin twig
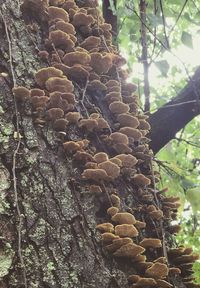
164,24
16,199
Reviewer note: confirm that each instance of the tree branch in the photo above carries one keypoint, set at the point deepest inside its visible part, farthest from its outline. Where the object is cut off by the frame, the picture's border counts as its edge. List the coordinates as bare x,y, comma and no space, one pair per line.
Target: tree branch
175,114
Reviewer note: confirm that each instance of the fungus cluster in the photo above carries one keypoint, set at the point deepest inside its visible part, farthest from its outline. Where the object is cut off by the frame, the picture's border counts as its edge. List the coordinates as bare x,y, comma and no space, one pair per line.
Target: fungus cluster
84,83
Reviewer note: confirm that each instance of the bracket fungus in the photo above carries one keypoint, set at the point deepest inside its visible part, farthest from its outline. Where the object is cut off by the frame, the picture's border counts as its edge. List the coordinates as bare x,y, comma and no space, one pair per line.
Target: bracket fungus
151,242
124,218
45,73
157,271
118,107
21,93
105,227
129,250
126,230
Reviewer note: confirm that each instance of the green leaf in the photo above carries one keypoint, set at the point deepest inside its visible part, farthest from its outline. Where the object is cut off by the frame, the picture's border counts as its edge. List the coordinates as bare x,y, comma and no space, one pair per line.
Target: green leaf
163,66
186,39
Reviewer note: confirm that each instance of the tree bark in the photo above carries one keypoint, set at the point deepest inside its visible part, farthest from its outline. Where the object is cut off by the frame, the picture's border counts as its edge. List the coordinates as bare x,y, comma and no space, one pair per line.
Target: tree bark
175,114
110,17
47,214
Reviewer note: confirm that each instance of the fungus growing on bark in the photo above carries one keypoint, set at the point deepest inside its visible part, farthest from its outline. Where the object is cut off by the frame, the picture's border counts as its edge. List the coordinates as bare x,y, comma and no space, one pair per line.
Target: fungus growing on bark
60,124
37,92
102,124
129,250
96,85
112,211
70,4
73,58
39,102
157,271
164,284
144,125
140,224
174,229
101,157
161,260
129,88
58,13
112,170
44,55
128,160
77,73
89,124
113,97
158,214
144,283
72,146
131,132
69,97
141,180
101,63
81,19
118,107
65,27
115,200
54,113
108,237
119,138
116,161
21,93
83,156
124,218
59,84
105,227
151,242
117,243
94,174
126,230
45,73
122,148
91,42
127,120
61,39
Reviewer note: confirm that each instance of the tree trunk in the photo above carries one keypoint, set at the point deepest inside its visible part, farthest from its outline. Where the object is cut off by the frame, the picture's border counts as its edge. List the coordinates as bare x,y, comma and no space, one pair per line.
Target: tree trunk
48,215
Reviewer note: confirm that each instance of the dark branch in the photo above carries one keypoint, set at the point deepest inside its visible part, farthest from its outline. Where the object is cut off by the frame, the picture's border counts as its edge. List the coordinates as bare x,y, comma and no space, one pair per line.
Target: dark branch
110,17
174,115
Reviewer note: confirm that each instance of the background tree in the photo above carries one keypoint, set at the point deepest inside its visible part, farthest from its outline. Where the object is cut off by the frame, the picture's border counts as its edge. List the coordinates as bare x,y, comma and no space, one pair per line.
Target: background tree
47,213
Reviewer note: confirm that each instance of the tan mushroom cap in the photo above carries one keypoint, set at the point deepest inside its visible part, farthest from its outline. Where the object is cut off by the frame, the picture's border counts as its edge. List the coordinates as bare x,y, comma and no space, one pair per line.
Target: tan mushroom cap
118,107
53,84
119,138
105,227
94,174
77,57
141,180
89,124
151,242
112,170
73,117
101,63
81,19
102,124
129,250
55,113
45,73
21,93
117,243
58,13
39,101
112,83
124,218
65,27
37,92
60,38
91,42
164,284
128,160
112,211
108,237
157,271
126,230
83,156
140,224
131,132
60,124
101,157
127,120
115,200
72,146
96,85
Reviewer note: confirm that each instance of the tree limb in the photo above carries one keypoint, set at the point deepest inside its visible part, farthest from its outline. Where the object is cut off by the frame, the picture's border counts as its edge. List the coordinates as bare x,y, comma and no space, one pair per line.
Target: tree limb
175,114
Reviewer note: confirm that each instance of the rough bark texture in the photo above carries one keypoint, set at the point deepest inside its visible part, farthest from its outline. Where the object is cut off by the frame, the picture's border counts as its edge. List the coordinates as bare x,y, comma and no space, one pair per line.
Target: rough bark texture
110,17
175,114
59,244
